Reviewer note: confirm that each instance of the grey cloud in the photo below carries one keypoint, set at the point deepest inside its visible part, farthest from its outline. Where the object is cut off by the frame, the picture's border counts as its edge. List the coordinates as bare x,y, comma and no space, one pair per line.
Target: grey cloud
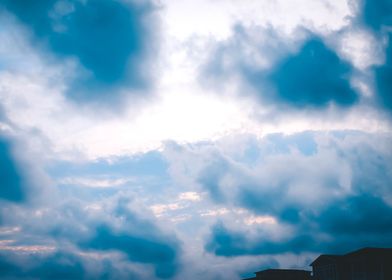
336,189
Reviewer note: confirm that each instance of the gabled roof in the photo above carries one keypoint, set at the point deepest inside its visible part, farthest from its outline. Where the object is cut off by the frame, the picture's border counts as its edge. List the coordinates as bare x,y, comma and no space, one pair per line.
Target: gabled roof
292,271
370,251
327,258
367,251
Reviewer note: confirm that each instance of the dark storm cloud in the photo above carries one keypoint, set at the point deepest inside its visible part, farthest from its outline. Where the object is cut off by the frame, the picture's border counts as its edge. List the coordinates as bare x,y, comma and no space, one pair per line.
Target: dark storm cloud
126,238
267,186
138,238
116,228
314,76
383,79
210,178
154,250
340,190
59,265
228,243
11,180
357,215
352,222
108,38
377,16
266,201
356,220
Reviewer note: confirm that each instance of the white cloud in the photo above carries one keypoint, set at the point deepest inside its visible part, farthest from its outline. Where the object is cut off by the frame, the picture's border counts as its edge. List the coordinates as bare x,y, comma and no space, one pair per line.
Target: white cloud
191,196
160,209
32,92
9,245
8,230
94,182
260,220
361,48
216,18
217,212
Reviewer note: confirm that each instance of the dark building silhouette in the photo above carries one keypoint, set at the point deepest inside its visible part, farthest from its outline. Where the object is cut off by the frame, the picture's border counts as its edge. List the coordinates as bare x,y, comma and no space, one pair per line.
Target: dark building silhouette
330,267
363,264
281,274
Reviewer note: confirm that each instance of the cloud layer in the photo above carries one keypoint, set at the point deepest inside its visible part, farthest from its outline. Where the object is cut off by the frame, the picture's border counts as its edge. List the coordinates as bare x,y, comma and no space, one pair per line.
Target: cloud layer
192,140
108,39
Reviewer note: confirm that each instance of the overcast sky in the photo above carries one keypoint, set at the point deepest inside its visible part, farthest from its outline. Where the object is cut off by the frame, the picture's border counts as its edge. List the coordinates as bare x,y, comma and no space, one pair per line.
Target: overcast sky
192,139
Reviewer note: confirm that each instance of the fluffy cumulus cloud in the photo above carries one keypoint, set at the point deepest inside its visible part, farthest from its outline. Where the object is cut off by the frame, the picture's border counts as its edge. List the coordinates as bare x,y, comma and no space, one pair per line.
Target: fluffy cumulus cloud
68,248
322,197
192,139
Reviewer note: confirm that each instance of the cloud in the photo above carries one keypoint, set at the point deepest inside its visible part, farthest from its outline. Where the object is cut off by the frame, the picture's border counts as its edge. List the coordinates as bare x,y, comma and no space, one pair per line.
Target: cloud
138,248
108,38
66,264
281,194
59,265
298,70
362,214
107,233
352,222
189,196
377,16
224,242
256,165
383,78
294,181
315,76
266,186
12,185
321,15
139,238
210,178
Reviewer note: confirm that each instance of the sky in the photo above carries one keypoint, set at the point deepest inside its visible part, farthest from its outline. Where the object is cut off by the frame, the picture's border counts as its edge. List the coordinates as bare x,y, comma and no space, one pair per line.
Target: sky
184,139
